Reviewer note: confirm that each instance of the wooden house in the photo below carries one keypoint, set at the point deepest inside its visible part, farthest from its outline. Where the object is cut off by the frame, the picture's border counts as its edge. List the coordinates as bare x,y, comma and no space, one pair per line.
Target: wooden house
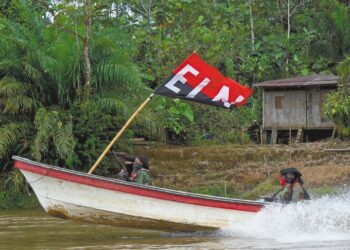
293,108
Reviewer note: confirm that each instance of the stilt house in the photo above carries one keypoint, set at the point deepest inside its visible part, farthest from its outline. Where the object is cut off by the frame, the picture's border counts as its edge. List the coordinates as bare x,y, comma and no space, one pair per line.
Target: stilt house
292,108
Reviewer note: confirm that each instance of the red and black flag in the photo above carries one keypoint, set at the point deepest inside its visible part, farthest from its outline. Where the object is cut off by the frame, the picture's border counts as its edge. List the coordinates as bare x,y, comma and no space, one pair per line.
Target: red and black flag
198,81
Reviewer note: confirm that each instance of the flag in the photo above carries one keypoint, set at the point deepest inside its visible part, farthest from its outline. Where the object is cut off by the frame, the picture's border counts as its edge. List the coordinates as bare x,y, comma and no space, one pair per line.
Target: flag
195,80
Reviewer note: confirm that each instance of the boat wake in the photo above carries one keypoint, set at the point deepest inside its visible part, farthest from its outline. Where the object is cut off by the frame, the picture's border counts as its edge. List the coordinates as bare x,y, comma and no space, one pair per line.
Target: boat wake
324,219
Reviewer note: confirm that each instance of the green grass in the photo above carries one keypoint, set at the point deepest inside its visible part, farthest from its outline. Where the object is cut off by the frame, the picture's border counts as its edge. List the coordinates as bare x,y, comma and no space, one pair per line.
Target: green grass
263,189
266,188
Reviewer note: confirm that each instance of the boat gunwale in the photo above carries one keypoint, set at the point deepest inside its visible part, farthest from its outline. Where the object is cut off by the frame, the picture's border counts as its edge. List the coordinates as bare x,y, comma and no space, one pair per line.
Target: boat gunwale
139,186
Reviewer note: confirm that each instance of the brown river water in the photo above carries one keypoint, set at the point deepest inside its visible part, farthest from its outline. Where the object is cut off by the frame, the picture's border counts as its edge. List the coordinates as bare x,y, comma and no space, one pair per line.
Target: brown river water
34,229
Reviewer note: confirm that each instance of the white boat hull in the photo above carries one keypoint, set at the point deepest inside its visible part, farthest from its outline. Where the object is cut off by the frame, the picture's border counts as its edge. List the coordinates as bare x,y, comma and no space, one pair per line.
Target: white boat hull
72,200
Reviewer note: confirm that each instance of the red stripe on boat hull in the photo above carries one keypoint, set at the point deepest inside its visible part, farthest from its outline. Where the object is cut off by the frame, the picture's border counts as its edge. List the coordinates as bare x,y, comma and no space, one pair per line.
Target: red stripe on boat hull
90,181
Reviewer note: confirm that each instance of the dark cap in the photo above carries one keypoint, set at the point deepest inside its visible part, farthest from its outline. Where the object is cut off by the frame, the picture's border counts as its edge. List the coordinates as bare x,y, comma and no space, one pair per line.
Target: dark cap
144,161
290,170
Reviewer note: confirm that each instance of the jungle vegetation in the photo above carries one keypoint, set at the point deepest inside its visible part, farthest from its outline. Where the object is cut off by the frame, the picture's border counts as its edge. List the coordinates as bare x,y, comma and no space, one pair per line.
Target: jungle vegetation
73,71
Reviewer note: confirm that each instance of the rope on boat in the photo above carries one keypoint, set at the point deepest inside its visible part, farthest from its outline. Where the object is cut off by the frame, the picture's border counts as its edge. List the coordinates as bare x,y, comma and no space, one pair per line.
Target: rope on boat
40,178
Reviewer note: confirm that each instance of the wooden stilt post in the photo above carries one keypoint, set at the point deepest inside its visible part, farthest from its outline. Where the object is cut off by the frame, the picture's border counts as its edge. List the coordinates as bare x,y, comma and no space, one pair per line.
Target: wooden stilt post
119,134
299,136
274,136
290,134
242,135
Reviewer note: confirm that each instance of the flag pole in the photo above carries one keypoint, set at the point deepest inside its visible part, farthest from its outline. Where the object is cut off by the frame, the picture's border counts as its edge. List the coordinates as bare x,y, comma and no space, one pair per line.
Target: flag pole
120,133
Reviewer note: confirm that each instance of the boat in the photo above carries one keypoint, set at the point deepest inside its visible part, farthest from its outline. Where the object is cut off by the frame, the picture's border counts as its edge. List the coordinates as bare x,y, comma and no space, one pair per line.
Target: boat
75,195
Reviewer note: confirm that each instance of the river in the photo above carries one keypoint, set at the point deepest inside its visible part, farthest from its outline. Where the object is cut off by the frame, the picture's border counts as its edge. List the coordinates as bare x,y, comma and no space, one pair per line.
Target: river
320,224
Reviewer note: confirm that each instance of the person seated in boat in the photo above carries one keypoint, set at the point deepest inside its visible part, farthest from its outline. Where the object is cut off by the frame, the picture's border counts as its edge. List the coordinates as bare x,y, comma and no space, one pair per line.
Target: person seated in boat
292,187
140,173
125,163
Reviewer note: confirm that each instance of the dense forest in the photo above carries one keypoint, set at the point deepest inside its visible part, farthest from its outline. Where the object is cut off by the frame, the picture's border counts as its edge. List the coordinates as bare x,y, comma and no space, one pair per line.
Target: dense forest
73,71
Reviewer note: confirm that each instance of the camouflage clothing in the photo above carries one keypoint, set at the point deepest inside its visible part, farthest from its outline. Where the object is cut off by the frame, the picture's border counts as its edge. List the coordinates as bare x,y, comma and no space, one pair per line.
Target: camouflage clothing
143,177
291,193
140,175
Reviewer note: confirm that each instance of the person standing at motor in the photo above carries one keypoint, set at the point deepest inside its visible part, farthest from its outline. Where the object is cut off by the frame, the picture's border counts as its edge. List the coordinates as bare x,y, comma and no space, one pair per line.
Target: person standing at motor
140,173
292,187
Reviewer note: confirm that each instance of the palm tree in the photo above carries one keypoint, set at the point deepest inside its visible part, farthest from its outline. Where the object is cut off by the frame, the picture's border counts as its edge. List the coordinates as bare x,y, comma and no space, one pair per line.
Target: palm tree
41,76
333,39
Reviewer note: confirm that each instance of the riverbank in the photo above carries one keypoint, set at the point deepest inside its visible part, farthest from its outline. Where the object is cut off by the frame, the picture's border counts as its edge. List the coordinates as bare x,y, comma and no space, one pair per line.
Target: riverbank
248,171
241,171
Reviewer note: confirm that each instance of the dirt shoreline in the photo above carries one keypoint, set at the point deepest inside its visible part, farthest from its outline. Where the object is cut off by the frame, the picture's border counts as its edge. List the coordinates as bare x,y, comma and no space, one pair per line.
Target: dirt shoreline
241,169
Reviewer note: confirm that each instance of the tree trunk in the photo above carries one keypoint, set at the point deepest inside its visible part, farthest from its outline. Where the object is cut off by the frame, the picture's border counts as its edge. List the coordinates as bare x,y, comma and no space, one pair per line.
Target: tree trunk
78,83
288,19
88,22
252,24
288,33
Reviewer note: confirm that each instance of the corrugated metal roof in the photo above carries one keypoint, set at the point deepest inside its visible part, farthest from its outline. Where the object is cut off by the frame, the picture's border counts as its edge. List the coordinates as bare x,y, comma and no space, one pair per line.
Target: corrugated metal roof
313,80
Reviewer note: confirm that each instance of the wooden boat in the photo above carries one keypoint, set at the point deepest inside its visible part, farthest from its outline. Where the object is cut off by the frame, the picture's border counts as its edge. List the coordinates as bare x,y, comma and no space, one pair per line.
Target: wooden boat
79,196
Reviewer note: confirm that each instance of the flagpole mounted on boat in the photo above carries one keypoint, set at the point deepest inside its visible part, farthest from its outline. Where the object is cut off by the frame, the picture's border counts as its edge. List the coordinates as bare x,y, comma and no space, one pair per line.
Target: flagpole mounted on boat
197,81
119,134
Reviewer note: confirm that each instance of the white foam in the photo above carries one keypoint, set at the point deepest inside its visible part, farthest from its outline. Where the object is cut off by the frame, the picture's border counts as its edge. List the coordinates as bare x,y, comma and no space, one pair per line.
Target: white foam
324,219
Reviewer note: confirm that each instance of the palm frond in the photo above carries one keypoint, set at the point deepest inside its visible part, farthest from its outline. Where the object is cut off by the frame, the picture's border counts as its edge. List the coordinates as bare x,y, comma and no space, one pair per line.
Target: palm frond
56,125
10,87
17,179
7,63
20,104
45,122
32,72
112,63
116,72
64,140
40,147
10,135
108,105
62,62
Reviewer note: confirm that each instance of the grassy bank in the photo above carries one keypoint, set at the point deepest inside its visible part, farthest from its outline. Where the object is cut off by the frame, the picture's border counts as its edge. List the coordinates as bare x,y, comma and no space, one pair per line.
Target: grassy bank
248,171
266,188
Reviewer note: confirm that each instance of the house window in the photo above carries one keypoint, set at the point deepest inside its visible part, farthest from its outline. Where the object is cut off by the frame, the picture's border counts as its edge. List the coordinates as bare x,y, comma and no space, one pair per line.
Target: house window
278,102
